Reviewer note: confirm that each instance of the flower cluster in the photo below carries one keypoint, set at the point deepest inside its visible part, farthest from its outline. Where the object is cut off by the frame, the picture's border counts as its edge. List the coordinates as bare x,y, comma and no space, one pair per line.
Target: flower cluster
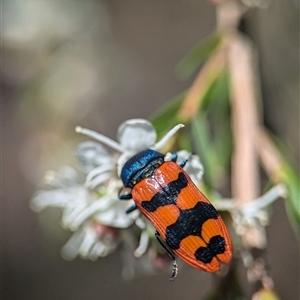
98,219
89,199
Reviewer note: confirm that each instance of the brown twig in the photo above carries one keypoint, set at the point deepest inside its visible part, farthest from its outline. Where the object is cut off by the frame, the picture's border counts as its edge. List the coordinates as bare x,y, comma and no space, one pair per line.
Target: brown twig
245,120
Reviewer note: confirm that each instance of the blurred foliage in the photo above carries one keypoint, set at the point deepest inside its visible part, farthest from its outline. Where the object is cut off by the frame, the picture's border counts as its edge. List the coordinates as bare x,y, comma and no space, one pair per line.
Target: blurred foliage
166,117
198,55
210,129
291,180
265,294
206,111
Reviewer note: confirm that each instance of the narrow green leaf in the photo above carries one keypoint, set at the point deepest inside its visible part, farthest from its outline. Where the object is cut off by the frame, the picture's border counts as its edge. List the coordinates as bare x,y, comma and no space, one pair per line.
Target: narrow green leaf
218,114
166,117
184,142
201,141
212,130
291,180
217,98
199,53
215,153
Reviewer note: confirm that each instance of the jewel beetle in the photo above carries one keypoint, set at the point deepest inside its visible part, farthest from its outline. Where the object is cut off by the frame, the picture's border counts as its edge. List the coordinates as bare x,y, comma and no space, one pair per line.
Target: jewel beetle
186,222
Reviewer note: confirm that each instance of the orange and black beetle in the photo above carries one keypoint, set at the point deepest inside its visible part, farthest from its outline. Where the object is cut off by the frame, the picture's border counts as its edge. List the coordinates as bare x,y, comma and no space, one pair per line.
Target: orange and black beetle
182,216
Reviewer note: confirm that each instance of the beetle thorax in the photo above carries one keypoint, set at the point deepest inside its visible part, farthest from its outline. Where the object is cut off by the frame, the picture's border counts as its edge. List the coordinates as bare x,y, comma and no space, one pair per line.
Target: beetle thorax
146,172
140,166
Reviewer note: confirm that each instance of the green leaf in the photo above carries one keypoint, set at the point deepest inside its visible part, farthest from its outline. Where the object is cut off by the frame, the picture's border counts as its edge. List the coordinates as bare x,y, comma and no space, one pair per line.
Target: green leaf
201,141
198,55
217,98
166,117
284,173
213,85
291,180
184,142
211,131
215,153
218,115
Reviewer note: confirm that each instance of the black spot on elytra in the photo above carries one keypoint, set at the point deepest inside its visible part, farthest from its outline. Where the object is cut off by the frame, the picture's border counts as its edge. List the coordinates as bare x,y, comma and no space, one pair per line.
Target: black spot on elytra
189,222
167,195
215,246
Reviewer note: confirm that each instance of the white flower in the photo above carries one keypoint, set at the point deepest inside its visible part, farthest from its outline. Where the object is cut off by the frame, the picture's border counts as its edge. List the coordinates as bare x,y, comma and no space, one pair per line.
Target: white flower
134,136
250,219
91,207
91,155
97,162
91,241
80,203
193,166
94,218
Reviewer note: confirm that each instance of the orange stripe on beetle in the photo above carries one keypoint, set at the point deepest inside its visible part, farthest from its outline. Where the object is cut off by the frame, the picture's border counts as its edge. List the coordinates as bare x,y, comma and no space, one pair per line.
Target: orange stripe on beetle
183,217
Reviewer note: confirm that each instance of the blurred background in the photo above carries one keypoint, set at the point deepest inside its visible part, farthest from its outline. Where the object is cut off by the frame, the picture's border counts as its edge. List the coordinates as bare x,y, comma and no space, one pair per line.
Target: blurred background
96,63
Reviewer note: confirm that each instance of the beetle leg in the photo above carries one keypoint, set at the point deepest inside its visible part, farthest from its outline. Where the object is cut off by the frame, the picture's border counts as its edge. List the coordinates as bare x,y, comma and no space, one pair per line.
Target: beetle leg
131,208
174,157
175,267
174,270
125,194
183,163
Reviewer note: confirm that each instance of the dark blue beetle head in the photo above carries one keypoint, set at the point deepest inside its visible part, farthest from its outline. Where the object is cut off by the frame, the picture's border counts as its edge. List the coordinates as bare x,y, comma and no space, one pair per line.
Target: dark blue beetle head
140,166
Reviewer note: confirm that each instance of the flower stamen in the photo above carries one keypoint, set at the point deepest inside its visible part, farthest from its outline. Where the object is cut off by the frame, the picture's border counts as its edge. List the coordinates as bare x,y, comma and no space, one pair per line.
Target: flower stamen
100,138
167,137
